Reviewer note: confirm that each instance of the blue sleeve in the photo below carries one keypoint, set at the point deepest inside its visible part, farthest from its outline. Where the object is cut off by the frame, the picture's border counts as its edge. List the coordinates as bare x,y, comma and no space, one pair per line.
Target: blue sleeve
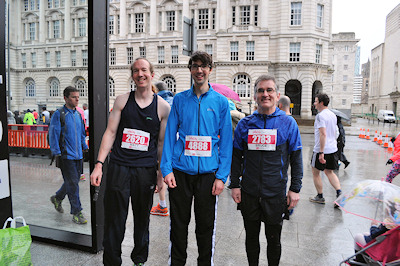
296,157
225,144
169,139
237,140
54,133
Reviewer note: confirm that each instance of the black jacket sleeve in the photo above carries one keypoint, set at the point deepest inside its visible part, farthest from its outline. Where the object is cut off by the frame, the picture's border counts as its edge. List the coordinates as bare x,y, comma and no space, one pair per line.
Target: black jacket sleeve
236,168
296,165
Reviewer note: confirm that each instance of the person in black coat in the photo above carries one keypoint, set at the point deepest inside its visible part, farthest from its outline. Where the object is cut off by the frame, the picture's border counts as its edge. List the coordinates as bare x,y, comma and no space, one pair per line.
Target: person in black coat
341,143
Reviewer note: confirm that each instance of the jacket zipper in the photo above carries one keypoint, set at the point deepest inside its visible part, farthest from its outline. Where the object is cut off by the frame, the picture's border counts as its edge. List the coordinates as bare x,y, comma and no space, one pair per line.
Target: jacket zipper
198,134
262,159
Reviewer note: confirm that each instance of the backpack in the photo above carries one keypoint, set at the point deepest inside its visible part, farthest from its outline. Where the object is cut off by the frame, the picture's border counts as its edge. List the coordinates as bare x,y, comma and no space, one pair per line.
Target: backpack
61,140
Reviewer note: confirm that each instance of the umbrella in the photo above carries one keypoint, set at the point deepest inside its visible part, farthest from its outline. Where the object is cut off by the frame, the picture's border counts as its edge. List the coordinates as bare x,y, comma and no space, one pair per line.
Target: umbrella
340,114
226,91
373,199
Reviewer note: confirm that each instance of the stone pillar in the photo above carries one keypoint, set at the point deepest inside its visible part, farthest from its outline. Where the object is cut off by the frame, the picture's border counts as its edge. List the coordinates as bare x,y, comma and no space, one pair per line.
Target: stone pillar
263,14
67,20
42,22
123,19
222,15
153,17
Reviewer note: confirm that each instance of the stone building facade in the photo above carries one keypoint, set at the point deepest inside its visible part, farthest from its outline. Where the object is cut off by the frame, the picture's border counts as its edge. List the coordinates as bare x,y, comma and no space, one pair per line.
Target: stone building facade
289,39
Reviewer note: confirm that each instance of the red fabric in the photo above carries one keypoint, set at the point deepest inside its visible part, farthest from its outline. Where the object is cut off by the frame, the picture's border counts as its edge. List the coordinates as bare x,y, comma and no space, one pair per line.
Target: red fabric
396,152
389,249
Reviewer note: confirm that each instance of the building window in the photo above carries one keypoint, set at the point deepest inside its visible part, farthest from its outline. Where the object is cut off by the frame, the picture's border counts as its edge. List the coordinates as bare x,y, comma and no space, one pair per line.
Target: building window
118,24
203,19
233,15
244,15
73,27
48,59
139,22
170,20
73,58
23,56
80,85
33,59
49,3
174,54
213,18
112,56
346,57
241,85
142,52
74,2
250,50
30,88
344,88
295,13
256,15
32,4
345,67
84,57
82,27
343,101
56,29
129,53
320,15
58,58
170,82
132,85
56,3
318,51
54,88
111,25
209,49
32,31
161,54
294,55
346,48
111,87
345,77
26,5
234,51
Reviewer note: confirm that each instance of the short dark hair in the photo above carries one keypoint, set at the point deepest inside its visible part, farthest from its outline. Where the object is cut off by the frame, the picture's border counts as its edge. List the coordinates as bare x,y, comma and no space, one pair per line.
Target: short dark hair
323,97
204,57
44,108
68,90
151,67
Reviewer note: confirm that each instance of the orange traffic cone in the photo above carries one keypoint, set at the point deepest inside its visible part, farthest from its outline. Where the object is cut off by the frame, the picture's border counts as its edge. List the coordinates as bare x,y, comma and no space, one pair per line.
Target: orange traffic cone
376,136
361,133
367,135
386,143
379,139
390,148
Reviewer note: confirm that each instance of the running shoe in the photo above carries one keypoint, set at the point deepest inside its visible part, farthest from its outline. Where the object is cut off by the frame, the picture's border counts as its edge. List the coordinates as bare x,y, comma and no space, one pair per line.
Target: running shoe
57,204
158,210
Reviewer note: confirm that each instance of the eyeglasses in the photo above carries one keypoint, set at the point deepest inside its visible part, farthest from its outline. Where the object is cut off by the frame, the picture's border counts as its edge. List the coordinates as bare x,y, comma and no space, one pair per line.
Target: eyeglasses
196,66
268,90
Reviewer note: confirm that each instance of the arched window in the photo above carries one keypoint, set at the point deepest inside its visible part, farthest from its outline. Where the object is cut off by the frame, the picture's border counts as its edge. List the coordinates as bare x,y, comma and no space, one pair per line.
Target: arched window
241,85
132,85
30,88
80,84
54,88
111,87
170,82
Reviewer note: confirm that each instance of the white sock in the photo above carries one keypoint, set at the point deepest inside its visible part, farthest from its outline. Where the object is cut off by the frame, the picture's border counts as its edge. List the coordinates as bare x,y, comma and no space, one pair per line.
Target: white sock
163,203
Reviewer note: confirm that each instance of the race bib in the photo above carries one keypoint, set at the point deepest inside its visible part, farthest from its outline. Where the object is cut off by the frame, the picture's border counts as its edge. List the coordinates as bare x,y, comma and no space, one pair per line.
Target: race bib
262,139
198,146
134,139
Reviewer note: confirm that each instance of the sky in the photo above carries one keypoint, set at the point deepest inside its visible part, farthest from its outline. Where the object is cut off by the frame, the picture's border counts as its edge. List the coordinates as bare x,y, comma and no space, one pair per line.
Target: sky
367,18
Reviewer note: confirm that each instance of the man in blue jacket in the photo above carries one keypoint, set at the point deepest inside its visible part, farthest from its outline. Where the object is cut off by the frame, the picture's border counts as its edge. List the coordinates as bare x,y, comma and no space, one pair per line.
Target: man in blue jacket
197,163
68,142
265,143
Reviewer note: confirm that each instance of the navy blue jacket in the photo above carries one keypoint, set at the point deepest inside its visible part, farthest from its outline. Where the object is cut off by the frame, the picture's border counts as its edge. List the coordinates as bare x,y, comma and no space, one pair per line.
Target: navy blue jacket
264,173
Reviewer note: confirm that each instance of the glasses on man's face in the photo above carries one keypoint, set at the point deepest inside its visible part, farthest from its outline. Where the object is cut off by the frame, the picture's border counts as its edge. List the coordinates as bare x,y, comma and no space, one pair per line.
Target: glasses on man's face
196,66
268,90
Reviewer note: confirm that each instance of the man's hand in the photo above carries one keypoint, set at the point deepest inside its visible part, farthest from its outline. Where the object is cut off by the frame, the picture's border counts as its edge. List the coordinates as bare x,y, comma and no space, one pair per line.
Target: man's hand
95,177
170,180
321,158
236,195
292,199
160,182
218,187
389,162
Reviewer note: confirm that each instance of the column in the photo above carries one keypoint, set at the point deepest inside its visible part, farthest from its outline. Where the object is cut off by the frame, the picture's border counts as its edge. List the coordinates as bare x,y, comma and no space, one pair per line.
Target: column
153,17
263,14
123,21
42,21
222,15
67,20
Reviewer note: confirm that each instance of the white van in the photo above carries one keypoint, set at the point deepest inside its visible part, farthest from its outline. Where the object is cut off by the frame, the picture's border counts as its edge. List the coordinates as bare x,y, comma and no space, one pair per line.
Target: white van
386,116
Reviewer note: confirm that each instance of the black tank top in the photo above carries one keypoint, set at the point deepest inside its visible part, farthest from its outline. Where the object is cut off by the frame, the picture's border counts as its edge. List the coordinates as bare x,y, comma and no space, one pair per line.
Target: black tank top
135,127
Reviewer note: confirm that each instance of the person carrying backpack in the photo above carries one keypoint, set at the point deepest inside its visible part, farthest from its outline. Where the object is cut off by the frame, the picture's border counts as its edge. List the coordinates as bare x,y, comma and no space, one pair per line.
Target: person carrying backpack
67,141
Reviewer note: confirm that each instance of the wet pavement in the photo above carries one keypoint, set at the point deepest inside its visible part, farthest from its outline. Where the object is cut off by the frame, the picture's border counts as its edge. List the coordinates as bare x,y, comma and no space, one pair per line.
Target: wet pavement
315,234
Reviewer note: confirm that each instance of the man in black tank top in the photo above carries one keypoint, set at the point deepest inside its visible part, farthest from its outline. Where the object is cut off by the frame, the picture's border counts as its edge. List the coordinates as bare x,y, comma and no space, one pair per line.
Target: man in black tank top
135,136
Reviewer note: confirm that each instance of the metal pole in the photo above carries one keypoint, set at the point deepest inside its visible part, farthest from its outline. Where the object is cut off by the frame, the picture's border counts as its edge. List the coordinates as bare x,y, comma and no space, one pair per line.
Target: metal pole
8,55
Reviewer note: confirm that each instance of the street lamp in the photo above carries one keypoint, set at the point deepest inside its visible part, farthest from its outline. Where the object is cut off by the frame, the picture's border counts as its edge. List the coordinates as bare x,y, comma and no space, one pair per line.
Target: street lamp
8,55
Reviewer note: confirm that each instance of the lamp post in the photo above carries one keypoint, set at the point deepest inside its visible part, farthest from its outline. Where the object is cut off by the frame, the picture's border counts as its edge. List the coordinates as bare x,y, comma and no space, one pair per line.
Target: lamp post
8,55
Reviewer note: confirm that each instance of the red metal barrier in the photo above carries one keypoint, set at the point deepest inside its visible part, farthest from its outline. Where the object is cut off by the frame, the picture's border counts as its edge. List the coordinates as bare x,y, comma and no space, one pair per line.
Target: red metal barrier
28,136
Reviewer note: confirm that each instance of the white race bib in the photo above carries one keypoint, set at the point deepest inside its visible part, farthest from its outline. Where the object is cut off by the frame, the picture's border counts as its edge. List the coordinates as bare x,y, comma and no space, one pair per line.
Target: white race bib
262,139
135,139
198,146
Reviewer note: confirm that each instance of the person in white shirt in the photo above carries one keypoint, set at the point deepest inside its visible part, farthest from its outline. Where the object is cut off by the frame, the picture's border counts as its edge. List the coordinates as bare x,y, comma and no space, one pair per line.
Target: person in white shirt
86,113
325,157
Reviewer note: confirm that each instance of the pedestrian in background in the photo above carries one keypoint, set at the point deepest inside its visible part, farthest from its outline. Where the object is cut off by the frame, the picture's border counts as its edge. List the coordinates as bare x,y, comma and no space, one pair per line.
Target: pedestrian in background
284,104
341,140
45,116
325,157
29,119
395,160
86,114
